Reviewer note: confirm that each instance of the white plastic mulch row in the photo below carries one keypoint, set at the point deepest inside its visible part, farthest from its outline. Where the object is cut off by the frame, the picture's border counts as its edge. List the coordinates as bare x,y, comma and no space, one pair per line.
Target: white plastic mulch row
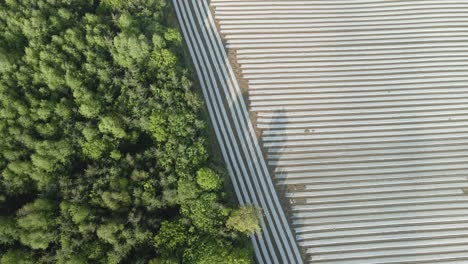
363,109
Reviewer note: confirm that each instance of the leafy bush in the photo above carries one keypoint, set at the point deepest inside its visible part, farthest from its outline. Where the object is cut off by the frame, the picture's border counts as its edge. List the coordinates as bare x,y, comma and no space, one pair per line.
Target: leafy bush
208,179
245,220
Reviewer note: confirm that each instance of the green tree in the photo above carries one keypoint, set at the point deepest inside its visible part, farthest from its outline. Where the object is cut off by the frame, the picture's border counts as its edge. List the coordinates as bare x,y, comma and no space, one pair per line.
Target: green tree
37,224
16,176
205,213
112,125
208,179
207,250
130,50
14,256
111,232
172,237
9,232
246,220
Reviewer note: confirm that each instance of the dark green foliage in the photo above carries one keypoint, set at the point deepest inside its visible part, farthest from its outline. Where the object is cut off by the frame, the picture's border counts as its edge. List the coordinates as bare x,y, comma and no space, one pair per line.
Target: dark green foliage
16,256
9,232
104,155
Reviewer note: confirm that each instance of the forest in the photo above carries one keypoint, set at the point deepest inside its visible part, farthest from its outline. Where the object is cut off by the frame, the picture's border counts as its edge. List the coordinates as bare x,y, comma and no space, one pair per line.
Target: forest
106,154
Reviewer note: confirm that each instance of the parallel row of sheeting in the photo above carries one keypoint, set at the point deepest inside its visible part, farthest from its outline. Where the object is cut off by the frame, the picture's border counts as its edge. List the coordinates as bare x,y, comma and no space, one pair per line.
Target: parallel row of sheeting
235,133
363,107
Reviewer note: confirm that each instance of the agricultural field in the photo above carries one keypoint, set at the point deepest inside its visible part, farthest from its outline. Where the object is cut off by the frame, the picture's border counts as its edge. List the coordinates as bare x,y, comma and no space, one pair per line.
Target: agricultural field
360,108
233,131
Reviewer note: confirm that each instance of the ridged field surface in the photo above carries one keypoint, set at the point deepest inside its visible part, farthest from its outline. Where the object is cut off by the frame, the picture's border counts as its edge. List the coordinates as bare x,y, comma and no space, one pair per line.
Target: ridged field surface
363,111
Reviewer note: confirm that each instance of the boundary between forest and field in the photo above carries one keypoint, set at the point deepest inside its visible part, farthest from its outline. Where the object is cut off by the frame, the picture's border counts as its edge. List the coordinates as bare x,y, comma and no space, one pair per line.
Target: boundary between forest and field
236,136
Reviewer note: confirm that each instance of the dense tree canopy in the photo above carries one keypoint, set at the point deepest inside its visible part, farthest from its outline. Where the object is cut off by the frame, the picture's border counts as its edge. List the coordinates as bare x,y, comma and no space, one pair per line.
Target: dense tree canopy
104,153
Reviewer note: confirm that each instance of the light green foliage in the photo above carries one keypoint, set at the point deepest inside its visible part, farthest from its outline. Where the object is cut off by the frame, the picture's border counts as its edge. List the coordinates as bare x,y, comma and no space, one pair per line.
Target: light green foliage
43,162
93,146
17,257
47,130
37,224
205,213
164,126
210,250
163,260
130,50
110,232
245,220
172,236
163,58
158,127
208,179
187,190
78,213
50,154
158,42
113,126
126,22
116,200
89,108
173,36
116,4
15,176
